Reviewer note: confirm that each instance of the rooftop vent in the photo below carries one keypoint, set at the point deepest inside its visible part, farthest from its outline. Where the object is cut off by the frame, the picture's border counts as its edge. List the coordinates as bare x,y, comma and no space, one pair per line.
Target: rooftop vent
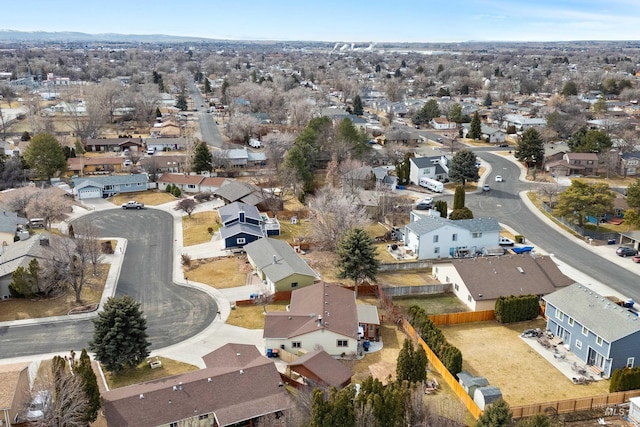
209,379
520,269
241,371
141,396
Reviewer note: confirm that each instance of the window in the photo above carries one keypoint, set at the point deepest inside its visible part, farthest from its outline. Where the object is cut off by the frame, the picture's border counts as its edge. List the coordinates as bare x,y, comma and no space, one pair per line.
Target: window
589,162
127,185
630,362
579,344
203,417
191,186
599,341
559,314
570,321
454,237
342,343
435,270
173,425
476,235
469,298
241,240
436,250
585,331
294,284
435,238
296,344
457,288
446,279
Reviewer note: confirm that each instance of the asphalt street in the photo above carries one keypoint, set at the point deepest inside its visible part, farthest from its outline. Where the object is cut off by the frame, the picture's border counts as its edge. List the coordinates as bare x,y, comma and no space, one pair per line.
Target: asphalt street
208,129
174,313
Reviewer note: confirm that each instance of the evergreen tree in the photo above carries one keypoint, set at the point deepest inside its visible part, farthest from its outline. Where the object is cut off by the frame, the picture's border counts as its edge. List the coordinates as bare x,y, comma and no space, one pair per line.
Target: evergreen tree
463,167
455,115
45,155
181,102
354,138
120,335
202,158
158,112
411,365
538,420
487,100
570,89
633,195
462,213
458,198
207,86
90,385
498,414
358,107
428,111
476,127
530,149
441,206
357,259
403,169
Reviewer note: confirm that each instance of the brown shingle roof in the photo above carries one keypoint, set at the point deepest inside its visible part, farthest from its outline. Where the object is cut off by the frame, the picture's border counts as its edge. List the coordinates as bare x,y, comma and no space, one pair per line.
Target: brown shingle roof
9,376
178,178
493,277
322,368
230,395
336,305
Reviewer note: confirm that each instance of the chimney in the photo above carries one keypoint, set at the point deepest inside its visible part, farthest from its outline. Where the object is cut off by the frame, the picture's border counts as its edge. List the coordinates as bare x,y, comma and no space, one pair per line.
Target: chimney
241,215
275,259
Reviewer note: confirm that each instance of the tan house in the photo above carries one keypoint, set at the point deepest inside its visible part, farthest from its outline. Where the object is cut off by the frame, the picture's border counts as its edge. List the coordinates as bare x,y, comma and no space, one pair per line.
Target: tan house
81,166
478,282
186,183
278,264
238,386
585,164
320,316
14,393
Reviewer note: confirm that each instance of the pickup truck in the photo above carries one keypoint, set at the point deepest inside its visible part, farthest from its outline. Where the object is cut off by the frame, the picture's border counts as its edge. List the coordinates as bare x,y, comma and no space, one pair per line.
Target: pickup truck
132,204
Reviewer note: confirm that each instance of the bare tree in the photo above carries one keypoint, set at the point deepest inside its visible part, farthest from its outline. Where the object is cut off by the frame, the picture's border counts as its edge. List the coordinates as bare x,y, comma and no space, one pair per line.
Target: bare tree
242,127
333,216
87,238
549,192
109,94
50,205
187,205
18,199
87,114
69,262
220,159
276,146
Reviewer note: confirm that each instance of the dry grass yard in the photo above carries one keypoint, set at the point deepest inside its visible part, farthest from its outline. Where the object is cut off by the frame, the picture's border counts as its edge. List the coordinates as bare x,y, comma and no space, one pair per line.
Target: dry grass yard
498,353
150,198
195,228
407,278
252,316
219,273
34,308
143,372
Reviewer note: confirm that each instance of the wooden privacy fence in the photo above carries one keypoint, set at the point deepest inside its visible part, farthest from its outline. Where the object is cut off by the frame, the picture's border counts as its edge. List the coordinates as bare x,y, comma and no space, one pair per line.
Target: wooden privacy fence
574,405
463,317
442,370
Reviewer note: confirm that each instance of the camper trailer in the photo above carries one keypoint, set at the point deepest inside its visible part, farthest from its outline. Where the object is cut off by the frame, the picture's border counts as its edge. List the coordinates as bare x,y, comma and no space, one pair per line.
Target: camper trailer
431,184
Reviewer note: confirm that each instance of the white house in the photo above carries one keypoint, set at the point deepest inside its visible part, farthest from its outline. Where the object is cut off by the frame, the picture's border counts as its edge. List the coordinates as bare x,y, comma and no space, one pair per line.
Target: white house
432,237
434,167
493,135
522,123
441,123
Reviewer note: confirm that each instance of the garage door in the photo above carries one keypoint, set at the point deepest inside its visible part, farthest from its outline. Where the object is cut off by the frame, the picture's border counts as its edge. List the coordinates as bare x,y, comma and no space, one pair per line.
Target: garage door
89,193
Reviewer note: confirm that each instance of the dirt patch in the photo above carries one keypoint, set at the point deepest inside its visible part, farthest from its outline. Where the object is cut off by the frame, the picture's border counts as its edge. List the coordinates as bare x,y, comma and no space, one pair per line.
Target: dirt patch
35,308
227,272
195,228
496,352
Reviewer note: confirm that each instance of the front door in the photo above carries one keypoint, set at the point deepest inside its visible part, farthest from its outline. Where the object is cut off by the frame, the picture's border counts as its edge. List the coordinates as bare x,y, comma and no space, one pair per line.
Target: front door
594,358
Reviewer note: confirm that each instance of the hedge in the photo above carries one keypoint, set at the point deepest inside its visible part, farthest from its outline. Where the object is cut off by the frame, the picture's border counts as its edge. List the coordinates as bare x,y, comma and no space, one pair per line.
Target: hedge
625,379
517,309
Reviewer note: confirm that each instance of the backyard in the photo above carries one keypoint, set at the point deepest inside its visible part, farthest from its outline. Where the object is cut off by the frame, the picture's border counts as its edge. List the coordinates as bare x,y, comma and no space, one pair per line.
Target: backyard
227,272
497,352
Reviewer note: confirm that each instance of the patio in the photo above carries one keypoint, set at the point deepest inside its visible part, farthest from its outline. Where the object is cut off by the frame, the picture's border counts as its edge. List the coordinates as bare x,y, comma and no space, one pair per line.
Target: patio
563,360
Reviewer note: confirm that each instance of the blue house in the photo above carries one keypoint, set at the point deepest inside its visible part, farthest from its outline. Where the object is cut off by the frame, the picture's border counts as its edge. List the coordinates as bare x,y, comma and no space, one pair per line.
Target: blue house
241,224
107,186
603,334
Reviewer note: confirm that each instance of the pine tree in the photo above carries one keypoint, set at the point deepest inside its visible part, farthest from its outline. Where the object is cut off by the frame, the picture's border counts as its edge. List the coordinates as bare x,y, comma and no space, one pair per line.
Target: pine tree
202,158
463,167
358,108
498,414
207,85
441,206
45,155
411,365
357,258
120,335
476,127
530,148
90,384
458,198
181,103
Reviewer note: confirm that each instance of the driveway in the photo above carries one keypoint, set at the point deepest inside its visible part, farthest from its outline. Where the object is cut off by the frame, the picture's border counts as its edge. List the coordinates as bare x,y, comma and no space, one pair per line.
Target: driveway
174,313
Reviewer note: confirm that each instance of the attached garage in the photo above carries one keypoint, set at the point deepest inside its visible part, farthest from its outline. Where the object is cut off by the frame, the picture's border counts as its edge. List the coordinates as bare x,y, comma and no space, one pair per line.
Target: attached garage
87,190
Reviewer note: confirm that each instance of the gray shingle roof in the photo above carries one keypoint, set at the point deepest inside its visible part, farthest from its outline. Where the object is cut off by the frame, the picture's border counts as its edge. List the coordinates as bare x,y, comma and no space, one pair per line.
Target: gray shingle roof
237,228
475,225
9,221
114,179
598,314
232,211
424,162
263,251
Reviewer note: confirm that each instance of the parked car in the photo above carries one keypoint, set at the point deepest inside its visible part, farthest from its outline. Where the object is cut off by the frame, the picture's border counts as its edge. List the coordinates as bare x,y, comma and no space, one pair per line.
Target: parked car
486,187
128,163
504,144
132,204
38,405
505,241
426,203
626,251
498,178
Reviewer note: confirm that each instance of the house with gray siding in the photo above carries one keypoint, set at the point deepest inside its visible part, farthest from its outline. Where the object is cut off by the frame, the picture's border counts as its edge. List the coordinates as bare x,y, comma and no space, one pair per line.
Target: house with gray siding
601,333
241,224
107,186
433,167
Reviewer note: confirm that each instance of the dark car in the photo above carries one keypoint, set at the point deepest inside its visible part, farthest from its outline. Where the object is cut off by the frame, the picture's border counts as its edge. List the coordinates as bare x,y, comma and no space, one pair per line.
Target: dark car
626,251
503,145
424,204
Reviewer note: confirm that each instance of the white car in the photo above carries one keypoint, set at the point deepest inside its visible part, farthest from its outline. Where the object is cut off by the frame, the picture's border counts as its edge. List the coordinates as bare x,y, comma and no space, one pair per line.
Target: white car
38,405
128,163
499,178
504,241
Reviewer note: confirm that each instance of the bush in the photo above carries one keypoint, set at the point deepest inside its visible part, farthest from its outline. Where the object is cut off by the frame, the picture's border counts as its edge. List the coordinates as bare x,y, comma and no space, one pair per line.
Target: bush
210,230
169,189
176,191
517,309
203,197
106,247
625,379
186,260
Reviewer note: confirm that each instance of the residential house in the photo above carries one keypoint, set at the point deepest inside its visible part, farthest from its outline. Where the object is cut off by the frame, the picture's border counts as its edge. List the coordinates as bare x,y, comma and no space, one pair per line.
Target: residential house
368,322
479,282
167,129
107,186
434,167
442,123
241,224
236,191
212,184
171,163
383,178
601,333
358,178
319,369
238,386
8,149
80,166
522,123
320,316
432,237
488,133
186,183
585,164
166,144
114,144
20,254
9,223
629,163
14,393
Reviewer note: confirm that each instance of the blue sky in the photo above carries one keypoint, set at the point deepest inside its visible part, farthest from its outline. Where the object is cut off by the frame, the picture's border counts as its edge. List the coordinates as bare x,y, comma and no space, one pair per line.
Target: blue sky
336,20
